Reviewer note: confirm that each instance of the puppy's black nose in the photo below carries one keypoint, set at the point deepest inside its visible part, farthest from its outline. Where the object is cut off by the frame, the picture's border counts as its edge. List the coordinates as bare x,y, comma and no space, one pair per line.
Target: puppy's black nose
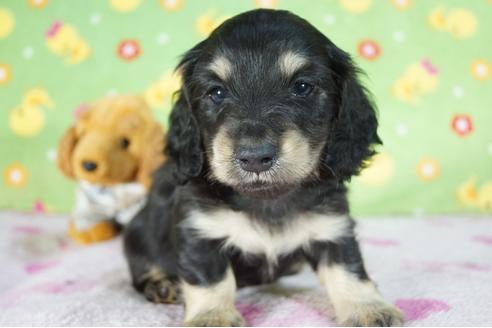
89,166
257,158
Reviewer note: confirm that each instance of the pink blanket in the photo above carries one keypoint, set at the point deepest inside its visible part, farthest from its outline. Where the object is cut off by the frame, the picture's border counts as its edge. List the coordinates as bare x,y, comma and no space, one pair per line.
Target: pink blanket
437,270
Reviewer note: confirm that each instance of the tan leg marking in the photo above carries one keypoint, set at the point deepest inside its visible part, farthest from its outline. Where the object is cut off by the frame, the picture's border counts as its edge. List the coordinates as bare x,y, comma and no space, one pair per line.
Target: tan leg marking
160,289
212,306
357,302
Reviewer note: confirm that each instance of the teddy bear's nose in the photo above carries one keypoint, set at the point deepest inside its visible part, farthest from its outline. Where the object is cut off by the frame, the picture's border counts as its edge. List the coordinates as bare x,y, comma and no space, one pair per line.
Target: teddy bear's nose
89,166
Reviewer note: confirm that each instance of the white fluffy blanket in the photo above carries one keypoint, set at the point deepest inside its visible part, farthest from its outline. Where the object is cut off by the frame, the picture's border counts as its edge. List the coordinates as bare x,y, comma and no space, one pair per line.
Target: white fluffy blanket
437,270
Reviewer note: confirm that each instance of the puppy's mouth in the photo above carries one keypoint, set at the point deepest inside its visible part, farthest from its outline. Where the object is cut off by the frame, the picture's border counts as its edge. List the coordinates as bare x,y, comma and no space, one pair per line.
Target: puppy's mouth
260,189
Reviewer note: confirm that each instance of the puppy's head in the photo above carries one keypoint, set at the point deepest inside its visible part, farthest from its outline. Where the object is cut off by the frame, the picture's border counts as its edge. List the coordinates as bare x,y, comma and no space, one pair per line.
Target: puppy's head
269,103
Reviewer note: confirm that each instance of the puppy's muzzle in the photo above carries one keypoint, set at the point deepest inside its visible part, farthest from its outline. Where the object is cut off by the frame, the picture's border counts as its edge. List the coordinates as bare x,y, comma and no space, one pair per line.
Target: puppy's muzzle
256,158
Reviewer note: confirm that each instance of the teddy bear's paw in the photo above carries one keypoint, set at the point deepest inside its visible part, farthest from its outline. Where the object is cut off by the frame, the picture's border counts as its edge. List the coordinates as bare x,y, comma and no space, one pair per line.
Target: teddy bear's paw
162,291
101,231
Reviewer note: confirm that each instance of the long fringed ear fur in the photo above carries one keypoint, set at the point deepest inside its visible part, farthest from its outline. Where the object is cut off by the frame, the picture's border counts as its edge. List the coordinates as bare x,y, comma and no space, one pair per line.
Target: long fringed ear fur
354,130
184,140
65,149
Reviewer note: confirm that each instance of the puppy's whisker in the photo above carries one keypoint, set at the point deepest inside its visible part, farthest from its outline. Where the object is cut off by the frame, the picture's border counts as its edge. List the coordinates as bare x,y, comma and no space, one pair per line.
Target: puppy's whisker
325,165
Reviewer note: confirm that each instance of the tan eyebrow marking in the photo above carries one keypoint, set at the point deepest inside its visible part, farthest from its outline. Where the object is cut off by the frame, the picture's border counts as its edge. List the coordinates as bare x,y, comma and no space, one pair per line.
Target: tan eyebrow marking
290,62
221,66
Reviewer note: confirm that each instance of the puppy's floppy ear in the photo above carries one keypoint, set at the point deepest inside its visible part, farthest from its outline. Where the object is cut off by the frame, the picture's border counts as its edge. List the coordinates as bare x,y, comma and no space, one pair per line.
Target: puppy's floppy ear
65,149
354,128
184,140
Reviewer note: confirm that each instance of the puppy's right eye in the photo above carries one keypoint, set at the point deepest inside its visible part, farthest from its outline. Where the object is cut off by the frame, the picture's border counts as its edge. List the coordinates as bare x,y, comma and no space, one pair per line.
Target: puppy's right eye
217,95
302,89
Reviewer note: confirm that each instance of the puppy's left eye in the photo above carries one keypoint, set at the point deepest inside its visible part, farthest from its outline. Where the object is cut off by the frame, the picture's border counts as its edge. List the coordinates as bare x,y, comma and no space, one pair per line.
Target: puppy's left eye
217,94
302,89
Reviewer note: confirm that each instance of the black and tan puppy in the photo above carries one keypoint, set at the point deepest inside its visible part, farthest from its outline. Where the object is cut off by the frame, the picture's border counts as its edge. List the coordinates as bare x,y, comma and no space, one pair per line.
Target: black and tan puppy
270,122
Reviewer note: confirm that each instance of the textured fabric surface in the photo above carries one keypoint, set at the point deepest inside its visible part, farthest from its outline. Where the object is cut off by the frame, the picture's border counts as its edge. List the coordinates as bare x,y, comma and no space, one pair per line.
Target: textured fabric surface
438,271
428,65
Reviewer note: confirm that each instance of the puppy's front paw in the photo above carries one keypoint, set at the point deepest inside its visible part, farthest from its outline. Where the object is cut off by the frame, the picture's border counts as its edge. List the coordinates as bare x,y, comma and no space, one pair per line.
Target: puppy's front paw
217,318
377,314
162,291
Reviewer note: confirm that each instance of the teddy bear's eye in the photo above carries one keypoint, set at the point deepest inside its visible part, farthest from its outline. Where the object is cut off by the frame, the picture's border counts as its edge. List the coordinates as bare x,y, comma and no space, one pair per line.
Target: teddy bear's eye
125,142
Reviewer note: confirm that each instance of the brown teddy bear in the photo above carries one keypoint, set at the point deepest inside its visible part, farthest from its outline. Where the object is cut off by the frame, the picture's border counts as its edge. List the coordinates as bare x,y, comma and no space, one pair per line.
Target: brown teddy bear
112,150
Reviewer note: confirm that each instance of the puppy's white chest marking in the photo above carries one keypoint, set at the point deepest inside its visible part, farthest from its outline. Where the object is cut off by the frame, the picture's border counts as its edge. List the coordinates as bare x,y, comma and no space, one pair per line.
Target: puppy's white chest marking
250,236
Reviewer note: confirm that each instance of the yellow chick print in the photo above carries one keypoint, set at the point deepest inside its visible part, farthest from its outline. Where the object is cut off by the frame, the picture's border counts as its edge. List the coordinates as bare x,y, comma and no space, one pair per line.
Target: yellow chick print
64,41
124,6
207,22
356,6
418,80
37,97
27,119
379,170
7,22
469,194
460,23
437,19
485,197
159,93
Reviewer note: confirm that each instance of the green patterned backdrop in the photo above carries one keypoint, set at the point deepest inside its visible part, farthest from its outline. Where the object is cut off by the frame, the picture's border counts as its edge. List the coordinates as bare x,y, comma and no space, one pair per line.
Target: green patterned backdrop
429,65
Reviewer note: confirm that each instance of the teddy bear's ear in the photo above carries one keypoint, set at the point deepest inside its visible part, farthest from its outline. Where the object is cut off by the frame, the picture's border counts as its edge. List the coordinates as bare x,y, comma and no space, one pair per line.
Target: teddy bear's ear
65,150
84,118
152,155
